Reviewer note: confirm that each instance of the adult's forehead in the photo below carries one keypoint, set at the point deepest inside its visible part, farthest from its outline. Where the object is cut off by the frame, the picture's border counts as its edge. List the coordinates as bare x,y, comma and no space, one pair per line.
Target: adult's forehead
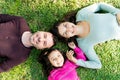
50,41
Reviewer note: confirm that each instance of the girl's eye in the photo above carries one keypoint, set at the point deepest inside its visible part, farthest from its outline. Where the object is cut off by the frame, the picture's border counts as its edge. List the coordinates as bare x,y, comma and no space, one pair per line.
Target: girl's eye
65,25
65,34
58,55
54,59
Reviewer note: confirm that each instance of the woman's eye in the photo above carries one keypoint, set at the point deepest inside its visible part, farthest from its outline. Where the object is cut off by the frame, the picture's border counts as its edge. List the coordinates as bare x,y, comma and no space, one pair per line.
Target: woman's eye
66,25
45,43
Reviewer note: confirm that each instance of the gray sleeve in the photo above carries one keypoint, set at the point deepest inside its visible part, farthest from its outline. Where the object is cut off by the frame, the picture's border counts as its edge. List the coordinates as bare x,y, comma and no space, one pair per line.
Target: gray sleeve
93,60
81,14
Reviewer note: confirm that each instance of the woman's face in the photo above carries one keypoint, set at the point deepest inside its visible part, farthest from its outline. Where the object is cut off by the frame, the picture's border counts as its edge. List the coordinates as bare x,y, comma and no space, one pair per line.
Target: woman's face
56,58
42,40
67,29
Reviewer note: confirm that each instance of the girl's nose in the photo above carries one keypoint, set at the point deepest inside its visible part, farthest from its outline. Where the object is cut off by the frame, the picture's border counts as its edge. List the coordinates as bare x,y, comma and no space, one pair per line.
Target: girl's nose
58,59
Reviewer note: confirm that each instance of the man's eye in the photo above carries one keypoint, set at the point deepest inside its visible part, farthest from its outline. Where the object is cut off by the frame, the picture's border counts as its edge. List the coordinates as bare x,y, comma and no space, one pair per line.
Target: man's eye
45,43
38,39
36,35
45,35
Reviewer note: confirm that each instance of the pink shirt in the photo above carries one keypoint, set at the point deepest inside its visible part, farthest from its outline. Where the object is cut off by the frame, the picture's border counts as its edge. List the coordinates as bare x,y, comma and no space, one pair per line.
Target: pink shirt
68,71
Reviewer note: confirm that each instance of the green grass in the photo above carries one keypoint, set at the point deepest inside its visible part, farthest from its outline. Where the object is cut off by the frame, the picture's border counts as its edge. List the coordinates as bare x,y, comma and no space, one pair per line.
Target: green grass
40,15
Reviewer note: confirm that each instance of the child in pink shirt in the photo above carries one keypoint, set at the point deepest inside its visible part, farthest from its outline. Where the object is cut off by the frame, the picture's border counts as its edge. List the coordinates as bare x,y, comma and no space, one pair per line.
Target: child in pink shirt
57,67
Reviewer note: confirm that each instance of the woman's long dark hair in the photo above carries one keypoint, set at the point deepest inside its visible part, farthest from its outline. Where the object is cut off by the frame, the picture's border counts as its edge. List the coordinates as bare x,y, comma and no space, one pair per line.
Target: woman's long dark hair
69,17
43,59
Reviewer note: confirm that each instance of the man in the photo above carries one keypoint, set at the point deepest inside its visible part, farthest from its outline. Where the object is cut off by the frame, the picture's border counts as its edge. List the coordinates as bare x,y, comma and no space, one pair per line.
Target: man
16,41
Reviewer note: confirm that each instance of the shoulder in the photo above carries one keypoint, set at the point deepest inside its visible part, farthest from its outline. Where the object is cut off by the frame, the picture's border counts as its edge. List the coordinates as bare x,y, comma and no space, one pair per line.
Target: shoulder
83,23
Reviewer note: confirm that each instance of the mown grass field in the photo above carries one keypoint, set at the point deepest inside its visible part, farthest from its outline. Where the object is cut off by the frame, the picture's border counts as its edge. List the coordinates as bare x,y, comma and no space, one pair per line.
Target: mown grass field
40,15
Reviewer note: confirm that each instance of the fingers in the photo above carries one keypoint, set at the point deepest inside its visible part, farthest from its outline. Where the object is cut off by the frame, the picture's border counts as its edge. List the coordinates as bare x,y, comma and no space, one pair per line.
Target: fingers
71,45
70,54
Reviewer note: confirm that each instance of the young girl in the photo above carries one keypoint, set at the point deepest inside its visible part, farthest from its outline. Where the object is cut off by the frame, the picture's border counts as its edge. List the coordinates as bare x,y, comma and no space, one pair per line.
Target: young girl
57,67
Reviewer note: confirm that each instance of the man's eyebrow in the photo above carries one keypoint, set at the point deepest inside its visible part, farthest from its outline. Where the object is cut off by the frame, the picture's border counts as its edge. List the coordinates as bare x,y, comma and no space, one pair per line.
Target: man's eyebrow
45,43
45,35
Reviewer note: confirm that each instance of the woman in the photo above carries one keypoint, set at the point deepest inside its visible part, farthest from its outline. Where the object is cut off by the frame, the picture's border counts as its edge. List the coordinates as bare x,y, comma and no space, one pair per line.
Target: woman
90,29
16,41
57,67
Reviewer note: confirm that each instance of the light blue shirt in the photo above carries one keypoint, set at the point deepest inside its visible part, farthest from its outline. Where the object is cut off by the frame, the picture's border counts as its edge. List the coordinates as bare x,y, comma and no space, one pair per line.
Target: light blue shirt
103,27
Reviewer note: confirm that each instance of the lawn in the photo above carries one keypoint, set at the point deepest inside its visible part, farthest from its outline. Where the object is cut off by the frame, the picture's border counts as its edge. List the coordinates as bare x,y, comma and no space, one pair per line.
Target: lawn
40,15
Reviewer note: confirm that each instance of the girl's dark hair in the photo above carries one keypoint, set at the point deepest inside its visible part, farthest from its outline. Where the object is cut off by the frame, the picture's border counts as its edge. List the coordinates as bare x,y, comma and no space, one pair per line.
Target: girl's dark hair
69,17
43,59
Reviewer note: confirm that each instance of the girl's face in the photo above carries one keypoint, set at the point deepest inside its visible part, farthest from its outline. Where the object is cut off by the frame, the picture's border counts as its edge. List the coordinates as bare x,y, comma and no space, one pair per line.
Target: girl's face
67,29
56,58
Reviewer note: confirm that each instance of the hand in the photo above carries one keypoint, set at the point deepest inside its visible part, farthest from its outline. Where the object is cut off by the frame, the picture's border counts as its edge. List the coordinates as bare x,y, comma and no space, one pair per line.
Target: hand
72,45
118,17
70,56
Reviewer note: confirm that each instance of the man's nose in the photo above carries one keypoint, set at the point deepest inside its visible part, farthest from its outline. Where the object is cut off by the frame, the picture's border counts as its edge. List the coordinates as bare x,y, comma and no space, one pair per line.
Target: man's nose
41,39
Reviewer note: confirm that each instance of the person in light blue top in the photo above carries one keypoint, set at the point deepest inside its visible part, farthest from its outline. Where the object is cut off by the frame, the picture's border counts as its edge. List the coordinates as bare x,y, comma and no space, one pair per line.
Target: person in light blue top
91,28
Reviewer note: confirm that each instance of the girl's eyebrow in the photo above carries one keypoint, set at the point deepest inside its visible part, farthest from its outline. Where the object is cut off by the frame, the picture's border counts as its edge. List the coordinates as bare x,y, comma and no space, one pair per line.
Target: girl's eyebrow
51,57
64,33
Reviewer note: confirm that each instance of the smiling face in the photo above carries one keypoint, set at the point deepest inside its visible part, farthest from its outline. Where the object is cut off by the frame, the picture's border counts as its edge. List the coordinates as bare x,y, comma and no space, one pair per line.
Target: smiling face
67,29
56,58
41,40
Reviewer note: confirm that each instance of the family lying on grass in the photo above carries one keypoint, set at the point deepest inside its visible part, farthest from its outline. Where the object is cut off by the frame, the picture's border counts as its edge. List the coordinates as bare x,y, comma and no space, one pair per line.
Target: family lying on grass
87,27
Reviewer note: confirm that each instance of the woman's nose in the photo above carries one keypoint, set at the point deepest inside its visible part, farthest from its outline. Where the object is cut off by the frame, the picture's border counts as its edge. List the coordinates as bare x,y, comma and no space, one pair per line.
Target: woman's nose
69,29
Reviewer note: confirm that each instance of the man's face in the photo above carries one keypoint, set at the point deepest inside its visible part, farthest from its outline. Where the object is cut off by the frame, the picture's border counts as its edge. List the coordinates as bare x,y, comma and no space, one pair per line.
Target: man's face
42,40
